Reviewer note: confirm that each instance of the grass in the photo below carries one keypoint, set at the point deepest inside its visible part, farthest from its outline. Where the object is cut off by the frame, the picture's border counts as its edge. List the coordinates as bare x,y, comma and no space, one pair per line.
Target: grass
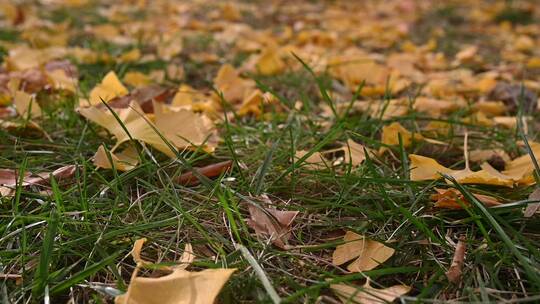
74,241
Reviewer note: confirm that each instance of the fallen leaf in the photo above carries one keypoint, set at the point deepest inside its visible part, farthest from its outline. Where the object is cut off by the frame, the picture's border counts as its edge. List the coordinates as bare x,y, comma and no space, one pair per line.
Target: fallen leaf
533,208
315,161
180,286
521,169
109,88
456,268
136,79
270,62
26,105
354,153
233,87
210,171
367,294
450,198
192,132
122,161
390,135
273,223
425,168
367,254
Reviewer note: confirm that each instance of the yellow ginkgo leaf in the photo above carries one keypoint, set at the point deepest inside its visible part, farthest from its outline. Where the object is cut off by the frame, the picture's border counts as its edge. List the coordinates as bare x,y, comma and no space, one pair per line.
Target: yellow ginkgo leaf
59,80
270,62
180,286
187,96
136,79
130,56
193,130
109,88
425,168
521,169
233,87
391,132
26,105
122,161
367,294
368,254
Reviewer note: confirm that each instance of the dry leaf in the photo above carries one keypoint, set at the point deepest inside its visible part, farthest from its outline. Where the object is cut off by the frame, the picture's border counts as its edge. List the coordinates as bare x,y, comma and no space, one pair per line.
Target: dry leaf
354,153
425,168
270,62
450,198
521,169
109,88
26,105
231,85
315,161
122,161
273,223
193,131
367,294
210,171
178,287
391,132
368,254
534,207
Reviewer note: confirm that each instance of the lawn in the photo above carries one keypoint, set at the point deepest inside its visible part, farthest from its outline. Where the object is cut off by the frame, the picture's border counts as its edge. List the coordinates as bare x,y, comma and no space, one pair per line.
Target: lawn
269,151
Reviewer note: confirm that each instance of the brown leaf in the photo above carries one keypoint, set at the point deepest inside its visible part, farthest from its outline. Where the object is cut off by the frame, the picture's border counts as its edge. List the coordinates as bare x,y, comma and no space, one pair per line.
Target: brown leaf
273,223
213,170
534,207
456,268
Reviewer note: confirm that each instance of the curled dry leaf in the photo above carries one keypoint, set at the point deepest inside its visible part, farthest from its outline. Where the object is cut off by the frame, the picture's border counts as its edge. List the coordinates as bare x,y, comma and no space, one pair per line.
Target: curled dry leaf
213,170
273,223
451,198
367,294
456,268
180,286
367,254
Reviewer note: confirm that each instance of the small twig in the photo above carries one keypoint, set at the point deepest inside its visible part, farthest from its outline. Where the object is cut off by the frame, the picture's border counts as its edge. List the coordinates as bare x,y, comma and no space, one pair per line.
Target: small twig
260,273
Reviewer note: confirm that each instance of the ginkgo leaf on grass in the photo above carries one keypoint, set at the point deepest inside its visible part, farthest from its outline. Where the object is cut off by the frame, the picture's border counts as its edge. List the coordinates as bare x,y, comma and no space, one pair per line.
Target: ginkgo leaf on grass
109,88
367,294
425,168
125,160
178,287
391,133
367,254
26,105
184,129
